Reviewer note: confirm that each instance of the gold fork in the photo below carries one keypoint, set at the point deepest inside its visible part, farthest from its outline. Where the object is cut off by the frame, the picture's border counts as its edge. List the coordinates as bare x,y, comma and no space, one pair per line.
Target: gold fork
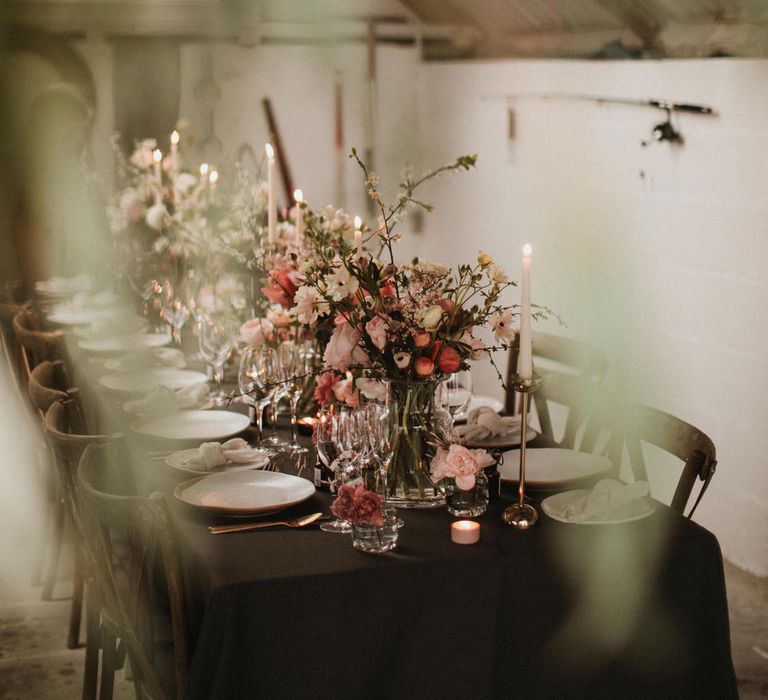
303,521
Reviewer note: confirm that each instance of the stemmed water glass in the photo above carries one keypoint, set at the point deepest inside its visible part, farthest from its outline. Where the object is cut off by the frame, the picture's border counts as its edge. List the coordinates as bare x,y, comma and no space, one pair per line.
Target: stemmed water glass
254,380
173,310
216,339
382,431
340,444
455,392
297,365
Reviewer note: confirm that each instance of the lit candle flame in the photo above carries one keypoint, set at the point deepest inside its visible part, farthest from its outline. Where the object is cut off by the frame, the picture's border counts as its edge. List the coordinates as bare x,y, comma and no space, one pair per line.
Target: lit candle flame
175,137
270,151
358,222
213,178
298,196
203,169
527,250
157,155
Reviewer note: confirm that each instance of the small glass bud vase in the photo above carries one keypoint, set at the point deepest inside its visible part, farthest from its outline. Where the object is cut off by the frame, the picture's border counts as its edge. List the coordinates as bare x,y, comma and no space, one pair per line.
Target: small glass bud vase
376,540
468,503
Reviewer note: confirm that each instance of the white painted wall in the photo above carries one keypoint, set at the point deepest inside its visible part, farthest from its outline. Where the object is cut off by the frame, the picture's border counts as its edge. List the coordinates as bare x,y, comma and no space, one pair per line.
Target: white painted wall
666,272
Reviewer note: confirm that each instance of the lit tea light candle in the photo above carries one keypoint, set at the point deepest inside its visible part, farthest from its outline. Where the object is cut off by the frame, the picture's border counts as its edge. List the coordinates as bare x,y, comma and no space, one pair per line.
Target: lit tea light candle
358,236
465,532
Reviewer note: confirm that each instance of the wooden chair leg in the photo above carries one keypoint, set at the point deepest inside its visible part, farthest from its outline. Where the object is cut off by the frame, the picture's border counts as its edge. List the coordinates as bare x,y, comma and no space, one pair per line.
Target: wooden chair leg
108,665
76,611
92,640
55,552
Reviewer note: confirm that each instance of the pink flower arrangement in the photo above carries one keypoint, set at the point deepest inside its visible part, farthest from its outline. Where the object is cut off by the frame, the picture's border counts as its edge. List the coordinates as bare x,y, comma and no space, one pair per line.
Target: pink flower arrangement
358,505
459,463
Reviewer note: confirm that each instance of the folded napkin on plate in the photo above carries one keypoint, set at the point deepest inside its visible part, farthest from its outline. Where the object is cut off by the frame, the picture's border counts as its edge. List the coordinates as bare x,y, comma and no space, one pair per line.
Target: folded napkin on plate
100,300
215,454
609,499
484,422
164,400
117,323
65,285
156,357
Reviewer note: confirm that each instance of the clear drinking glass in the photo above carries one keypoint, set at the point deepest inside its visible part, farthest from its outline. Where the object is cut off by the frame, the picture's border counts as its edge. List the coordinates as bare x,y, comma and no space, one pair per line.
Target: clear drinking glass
280,380
253,379
173,310
455,393
297,365
342,433
216,340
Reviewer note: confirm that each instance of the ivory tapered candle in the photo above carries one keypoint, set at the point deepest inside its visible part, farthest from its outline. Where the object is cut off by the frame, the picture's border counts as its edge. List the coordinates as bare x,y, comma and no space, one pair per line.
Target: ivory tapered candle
298,197
175,151
271,199
525,358
157,157
358,237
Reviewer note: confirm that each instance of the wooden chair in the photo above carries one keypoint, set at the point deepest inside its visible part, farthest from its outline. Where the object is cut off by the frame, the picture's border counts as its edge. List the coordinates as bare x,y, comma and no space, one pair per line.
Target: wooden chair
61,419
127,590
593,416
678,438
35,344
555,353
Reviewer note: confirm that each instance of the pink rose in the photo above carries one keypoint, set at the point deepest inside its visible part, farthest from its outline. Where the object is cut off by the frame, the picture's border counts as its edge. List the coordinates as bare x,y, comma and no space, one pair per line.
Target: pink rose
279,318
343,349
280,289
460,463
345,392
256,332
377,330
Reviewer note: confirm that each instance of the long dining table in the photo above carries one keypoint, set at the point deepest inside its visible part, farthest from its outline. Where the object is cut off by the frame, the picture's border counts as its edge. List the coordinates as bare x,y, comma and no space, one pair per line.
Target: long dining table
619,611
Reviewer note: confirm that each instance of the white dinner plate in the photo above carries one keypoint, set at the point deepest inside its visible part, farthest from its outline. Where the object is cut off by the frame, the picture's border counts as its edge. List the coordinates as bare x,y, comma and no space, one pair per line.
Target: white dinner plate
144,381
246,493
477,402
192,425
77,317
123,343
554,507
553,467
186,461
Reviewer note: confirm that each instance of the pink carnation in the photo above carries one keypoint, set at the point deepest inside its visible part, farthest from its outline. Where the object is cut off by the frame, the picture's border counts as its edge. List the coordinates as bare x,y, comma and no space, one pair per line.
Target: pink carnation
461,464
343,349
325,387
358,505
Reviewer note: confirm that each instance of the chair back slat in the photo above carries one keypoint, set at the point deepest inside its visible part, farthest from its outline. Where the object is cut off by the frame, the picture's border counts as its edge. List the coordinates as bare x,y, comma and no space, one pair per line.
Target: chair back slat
143,525
35,343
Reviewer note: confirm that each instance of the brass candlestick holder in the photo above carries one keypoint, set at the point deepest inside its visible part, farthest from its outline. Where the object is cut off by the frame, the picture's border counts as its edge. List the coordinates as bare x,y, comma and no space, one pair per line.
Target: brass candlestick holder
522,515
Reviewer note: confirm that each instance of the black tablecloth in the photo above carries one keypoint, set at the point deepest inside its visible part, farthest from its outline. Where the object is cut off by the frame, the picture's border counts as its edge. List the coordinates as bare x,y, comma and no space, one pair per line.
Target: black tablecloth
624,611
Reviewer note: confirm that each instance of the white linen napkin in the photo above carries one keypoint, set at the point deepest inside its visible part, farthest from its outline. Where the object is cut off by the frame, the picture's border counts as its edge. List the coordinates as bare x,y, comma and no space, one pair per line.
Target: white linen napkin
483,422
100,300
608,500
215,454
164,400
155,357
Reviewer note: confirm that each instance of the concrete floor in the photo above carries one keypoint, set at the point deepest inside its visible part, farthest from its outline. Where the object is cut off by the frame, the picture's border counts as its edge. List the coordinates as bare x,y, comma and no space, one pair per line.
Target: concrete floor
35,663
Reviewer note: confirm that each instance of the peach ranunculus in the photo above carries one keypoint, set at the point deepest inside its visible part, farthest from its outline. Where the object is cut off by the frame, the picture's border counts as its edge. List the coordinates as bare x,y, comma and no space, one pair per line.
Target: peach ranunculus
460,463
449,361
377,330
256,332
343,349
424,366
422,339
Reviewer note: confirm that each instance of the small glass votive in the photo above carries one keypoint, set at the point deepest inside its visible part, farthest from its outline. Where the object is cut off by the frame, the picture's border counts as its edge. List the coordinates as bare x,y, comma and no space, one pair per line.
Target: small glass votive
465,532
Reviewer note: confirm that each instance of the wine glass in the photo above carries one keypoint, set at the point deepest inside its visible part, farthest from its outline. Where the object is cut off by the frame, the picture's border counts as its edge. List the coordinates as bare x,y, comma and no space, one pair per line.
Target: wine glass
173,311
253,379
341,433
382,430
297,364
216,340
280,380
456,392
